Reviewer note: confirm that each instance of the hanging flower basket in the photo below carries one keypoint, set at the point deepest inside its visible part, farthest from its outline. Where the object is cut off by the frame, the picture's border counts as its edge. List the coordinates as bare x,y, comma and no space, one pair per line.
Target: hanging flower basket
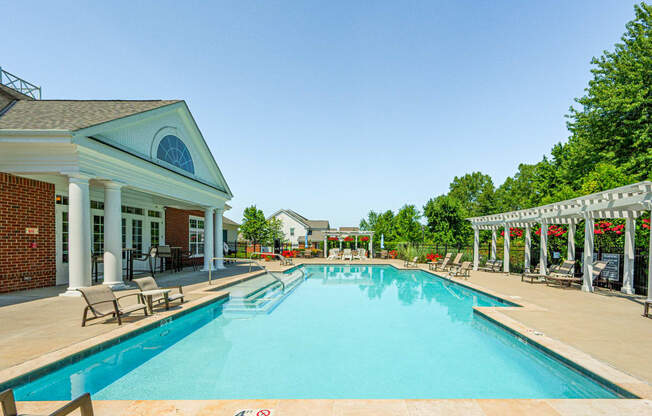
348,239
364,238
646,224
333,239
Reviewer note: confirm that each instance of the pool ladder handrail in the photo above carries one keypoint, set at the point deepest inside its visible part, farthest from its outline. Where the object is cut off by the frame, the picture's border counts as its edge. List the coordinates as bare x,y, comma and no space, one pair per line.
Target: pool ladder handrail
251,261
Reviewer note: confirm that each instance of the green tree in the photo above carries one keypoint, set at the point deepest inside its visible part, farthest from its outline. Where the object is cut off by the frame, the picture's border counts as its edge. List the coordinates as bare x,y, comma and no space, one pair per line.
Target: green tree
369,223
604,176
475,192
254,227
446,221
407,225
275,231
613,122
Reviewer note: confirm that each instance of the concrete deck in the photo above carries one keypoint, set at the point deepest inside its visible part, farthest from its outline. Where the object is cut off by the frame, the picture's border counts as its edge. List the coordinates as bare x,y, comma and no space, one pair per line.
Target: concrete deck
603,331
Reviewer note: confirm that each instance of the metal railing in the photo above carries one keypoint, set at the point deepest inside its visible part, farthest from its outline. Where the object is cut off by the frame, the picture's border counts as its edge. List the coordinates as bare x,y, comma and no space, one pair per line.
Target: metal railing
16,83
252,261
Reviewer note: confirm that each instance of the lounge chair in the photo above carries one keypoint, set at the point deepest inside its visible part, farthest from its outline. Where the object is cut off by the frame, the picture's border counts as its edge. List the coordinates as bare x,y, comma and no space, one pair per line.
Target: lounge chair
565,275
362,253
83,403
433,264
334,254
286,261
384,254
356,254
488,266
497,267
412,263
346,254
101,301
564,269
462,270
148,283
646,307
457,262
442,266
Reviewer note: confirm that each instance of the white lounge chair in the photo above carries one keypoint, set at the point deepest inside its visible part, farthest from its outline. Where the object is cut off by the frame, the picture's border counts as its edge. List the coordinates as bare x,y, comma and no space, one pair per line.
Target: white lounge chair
356,255
346,254
412,263
362,253
334,254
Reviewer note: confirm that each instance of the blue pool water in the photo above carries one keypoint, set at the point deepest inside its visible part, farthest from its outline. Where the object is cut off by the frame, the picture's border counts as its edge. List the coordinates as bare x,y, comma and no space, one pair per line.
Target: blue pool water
345,332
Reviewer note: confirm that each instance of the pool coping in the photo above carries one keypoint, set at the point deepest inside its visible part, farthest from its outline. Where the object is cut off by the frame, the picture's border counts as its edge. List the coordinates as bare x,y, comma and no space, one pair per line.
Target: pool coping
627,383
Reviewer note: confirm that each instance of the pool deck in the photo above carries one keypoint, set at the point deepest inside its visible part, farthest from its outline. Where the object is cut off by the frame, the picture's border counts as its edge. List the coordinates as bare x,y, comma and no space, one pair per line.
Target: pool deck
604,332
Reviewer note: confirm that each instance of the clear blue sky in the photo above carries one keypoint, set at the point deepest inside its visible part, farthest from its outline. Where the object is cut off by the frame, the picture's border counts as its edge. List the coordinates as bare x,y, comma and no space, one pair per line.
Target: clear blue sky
332,108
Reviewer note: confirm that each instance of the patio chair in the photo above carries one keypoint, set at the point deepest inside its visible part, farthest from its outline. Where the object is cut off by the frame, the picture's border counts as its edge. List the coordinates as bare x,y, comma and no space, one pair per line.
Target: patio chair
488,266
83,403
456,262
356,255
497,267
164,253
433,264
646,307
412,263
188,257
463,269
536,276
362,253
150,258
333,253
442,266
286,261
148,283
101,301
384,254
346,254
565,275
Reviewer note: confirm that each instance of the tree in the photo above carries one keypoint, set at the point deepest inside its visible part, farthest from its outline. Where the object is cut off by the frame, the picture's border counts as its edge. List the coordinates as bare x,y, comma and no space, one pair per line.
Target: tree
604,176
475,192
254,227
369,223
407,225
613,123
446,221
275,231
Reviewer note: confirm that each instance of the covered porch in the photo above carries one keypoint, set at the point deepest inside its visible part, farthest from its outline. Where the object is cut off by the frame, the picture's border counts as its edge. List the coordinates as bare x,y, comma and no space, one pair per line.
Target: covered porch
357,239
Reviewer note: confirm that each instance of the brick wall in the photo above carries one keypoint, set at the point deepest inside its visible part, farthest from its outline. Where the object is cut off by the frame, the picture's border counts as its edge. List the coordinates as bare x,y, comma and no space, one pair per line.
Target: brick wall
177,230
26,203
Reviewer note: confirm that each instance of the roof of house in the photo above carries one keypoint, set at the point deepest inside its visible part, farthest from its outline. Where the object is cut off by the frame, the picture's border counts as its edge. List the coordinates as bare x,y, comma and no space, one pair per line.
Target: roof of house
349,229
319,224
71,115
228,221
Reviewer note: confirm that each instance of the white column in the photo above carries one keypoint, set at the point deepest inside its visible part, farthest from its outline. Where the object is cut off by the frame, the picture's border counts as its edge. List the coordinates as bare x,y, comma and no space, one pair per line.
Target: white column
649,262
570,255
325,246
587,284
476,247
79,236
356,242
113,236
528,247
493,244
628,266
543,249
219,238
506,249
208,238
371,246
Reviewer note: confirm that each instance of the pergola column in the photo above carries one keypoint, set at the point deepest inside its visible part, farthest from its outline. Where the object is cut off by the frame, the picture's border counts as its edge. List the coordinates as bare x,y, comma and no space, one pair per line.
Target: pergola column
219,238
325,246
476,247
587,284
506,249
493,244
113,236
79,236
628,266
543,249
356,242
208,238
528,246
649,262
371,246
570,254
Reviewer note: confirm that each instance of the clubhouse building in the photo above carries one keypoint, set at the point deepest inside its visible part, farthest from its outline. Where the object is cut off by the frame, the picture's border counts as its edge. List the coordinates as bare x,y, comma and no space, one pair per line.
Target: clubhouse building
82,179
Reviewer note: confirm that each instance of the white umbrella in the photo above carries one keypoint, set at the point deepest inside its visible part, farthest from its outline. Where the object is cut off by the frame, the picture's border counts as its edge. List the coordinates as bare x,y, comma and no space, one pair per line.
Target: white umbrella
382,241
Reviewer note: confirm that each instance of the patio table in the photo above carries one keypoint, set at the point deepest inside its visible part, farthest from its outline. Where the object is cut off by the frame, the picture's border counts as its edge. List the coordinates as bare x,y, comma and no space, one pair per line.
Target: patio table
149,294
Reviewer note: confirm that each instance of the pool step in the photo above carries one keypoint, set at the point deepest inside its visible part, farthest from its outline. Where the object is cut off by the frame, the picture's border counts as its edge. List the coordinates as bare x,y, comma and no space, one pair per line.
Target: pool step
262,297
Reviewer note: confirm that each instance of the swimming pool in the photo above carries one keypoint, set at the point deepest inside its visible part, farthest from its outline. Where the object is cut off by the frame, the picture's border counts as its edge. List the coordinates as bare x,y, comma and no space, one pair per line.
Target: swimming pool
360,332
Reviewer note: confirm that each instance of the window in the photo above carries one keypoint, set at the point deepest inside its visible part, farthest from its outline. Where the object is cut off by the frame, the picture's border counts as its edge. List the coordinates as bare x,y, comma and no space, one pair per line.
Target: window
291,231
97,205
64,237
137,236
132,210
154,214
172,150
98,234
196,236
154,233
124,233
61,200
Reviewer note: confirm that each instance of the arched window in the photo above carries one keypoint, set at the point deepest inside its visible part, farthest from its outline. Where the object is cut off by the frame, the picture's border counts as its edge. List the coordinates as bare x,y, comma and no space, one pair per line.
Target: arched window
172,150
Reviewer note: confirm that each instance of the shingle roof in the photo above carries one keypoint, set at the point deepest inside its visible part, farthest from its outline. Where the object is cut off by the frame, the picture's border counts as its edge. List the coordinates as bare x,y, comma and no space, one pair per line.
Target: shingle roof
72,114
318,224
229,221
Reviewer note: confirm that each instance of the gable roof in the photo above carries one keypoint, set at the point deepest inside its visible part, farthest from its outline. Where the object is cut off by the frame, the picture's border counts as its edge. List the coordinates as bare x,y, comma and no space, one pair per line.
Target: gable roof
323,224
229,221
72,115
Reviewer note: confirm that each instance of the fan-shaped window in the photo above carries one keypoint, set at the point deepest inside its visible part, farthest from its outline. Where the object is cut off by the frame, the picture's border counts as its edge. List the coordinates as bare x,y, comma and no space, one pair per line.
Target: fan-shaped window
172,150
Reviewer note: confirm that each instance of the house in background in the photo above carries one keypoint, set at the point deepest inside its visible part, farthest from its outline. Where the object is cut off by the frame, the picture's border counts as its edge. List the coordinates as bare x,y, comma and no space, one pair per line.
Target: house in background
296,227
103,177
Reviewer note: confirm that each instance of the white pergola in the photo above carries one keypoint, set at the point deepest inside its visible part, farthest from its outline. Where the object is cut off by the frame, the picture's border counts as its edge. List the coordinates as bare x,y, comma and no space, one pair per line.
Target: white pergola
627,202
343,234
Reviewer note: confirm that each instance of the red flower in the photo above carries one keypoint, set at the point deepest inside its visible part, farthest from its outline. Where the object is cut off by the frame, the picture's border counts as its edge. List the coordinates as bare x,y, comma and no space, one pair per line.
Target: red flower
364,238
393,254
333,239
348,239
